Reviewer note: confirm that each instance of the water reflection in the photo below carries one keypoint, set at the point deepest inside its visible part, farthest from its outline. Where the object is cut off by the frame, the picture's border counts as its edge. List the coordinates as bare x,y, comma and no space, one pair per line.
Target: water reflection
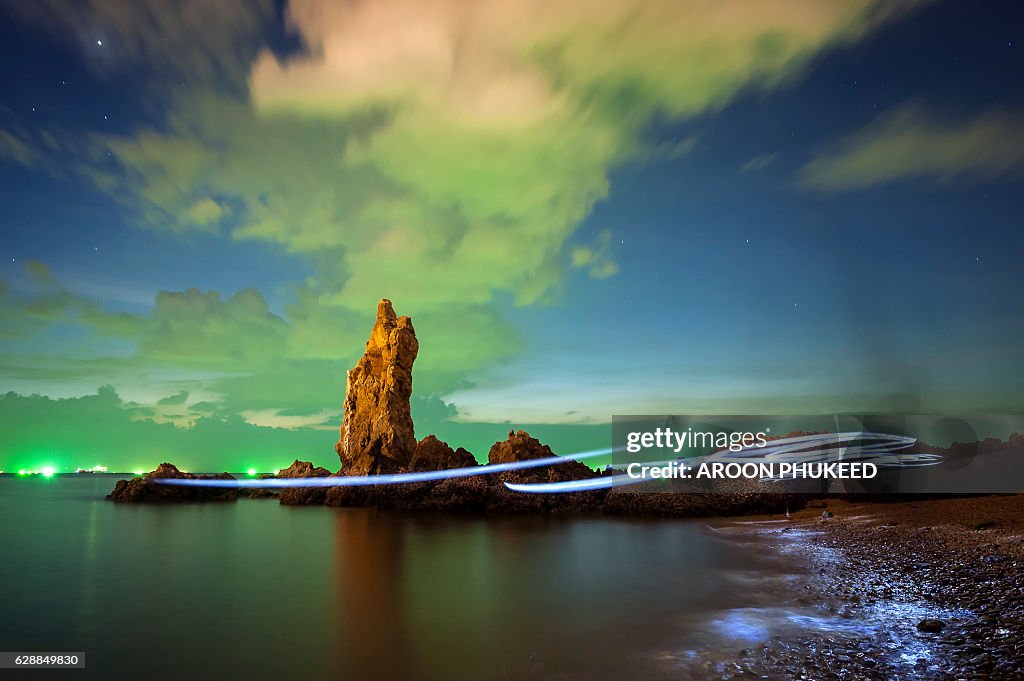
254,590
518,597
371,629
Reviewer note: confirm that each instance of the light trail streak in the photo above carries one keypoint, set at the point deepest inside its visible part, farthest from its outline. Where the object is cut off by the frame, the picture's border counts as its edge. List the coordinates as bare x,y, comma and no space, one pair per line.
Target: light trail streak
390,479
881,449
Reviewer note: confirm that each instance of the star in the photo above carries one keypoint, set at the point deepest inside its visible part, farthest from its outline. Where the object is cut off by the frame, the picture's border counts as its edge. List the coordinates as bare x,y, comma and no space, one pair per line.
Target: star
99,42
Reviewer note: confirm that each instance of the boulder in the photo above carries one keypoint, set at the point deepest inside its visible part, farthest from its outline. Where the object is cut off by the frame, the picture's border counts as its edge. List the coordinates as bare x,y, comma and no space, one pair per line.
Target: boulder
519,446
433,454
298,469
143,489
303,469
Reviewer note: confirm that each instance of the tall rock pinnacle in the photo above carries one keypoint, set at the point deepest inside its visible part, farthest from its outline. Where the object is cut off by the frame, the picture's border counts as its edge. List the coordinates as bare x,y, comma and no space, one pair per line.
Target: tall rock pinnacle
377,433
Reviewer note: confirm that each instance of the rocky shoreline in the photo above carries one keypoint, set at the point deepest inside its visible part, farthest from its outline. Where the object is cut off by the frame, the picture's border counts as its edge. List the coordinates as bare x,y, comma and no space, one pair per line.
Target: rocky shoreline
920,589
477,494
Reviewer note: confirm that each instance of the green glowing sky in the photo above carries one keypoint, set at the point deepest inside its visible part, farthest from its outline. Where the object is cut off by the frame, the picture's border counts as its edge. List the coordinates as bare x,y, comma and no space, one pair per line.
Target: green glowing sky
587,208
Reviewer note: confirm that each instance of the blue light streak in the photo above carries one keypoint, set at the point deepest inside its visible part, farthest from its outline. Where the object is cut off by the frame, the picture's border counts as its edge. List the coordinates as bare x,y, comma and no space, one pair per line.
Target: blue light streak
390,479
570,485
882,449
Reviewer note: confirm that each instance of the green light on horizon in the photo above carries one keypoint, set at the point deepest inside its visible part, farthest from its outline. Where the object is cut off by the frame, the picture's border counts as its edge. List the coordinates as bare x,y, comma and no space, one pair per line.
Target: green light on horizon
48,471
138,473
22,472
251,472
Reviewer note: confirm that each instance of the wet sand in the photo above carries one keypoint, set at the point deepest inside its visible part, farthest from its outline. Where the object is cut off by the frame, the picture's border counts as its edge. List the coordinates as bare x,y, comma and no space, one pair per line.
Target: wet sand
930,589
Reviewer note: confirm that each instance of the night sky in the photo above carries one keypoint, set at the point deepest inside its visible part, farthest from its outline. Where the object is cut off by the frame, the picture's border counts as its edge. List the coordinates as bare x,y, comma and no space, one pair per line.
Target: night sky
587,207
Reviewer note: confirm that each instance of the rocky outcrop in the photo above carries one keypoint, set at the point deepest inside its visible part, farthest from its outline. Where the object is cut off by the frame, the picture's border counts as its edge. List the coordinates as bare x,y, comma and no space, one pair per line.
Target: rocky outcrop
472,493
518,447
488,493
433,454
302,469
169,470
143,489
377,433
298,469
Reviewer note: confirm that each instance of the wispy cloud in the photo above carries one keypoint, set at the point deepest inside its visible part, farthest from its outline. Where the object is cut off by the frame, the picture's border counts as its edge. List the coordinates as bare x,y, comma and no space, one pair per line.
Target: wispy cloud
278,418
758,163
912,143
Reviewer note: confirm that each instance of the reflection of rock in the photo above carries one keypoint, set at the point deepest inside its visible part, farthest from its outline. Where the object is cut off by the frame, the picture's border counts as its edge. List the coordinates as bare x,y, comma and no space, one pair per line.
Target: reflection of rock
302,469
371,615
142,489
435,455
377,431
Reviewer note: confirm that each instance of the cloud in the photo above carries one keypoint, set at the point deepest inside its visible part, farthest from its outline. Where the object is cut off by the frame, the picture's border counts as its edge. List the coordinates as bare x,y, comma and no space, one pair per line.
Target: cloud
911,143
103,428
14,146
596,258
200,329
42,304
39,272
205,212
758,163
276,418
176,399
506,64
192,326
227,348
502,121
437,152
444,151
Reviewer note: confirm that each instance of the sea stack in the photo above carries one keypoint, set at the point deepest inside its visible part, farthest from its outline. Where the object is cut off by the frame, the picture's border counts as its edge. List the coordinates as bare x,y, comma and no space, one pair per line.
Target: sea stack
377,435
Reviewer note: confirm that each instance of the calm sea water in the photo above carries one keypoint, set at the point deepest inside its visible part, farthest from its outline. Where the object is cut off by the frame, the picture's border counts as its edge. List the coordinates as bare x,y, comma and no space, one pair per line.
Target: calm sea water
255,590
